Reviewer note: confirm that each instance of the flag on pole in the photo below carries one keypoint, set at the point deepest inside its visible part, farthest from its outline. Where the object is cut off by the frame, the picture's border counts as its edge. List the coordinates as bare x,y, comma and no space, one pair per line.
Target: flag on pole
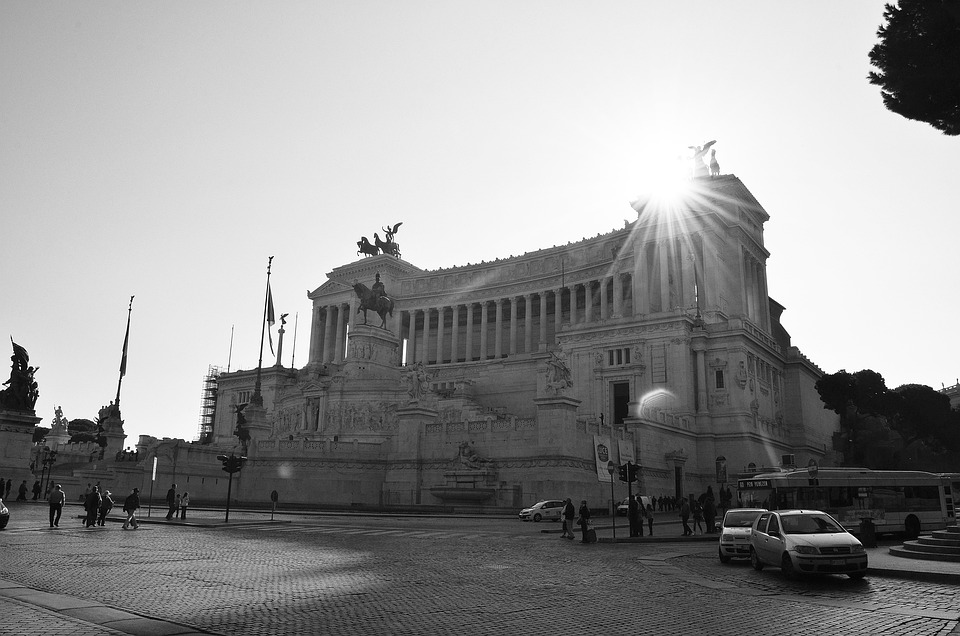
270,318
126,341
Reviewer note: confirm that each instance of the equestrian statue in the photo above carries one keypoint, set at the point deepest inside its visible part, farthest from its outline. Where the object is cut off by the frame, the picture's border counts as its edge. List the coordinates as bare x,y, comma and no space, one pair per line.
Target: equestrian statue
374,299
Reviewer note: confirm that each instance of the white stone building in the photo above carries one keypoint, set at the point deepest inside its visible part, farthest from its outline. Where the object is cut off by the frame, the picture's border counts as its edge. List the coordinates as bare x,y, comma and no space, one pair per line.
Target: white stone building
656,342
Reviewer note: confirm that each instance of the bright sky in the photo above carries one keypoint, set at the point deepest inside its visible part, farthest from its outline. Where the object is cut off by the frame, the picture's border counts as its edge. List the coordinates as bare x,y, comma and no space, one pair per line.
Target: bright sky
165,150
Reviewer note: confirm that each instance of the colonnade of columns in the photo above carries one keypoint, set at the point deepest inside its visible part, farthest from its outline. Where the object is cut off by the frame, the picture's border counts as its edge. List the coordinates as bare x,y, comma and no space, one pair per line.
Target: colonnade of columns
667,274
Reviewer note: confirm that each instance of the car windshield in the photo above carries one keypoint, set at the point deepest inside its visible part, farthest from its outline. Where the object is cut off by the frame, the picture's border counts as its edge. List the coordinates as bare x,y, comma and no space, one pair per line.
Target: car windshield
809,524
742,519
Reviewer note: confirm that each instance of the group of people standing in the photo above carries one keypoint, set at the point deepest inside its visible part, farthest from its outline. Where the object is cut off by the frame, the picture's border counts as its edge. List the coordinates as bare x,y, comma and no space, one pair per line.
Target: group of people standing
637,513
96,504
177,503
703,509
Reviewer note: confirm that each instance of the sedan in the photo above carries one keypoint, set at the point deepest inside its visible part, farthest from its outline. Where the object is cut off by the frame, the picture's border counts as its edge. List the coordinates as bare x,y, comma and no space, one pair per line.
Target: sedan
735,533
805,542
550,509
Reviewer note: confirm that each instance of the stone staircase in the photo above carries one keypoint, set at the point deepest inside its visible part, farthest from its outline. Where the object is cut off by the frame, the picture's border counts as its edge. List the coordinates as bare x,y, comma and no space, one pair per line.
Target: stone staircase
940,545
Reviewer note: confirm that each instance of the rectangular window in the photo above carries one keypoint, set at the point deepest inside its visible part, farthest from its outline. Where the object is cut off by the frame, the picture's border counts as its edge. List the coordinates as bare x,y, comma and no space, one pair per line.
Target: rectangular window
719,378
658,364
626,356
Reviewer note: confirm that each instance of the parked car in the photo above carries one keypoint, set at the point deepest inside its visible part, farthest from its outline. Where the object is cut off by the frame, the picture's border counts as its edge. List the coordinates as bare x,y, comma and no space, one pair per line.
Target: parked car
735,533
624,506
805,542
4,515
550,509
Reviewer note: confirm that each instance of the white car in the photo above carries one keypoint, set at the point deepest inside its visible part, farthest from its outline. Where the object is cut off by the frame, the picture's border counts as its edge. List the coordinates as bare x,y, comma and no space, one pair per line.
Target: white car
623,508
735,533
550,509
805,542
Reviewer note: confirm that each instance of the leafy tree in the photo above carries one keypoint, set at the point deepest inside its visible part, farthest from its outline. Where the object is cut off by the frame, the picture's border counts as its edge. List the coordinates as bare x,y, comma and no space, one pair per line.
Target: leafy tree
918,58
922,414
40,432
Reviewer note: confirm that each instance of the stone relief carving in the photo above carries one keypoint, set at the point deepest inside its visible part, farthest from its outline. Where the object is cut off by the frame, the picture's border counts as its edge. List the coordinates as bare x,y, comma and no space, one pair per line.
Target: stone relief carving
558,378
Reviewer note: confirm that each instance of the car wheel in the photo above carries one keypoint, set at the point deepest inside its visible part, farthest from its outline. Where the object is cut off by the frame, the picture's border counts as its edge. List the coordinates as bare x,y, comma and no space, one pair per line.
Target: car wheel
786,567
856,575
537,517
755,560
723,557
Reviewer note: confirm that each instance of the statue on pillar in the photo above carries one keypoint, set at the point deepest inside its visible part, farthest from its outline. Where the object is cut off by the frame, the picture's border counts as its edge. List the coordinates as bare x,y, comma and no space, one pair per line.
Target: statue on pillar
419,382
558,378
21,393
241,431
374,299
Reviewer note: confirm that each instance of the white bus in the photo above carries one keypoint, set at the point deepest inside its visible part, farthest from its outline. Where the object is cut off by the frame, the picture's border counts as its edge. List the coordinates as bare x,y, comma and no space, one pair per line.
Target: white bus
894,500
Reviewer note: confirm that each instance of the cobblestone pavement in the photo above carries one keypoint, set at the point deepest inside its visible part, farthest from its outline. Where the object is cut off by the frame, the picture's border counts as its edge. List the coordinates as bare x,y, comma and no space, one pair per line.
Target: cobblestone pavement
383,575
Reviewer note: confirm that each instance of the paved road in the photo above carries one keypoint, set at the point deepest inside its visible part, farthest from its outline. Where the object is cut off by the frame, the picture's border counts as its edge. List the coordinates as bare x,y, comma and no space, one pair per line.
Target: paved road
374,575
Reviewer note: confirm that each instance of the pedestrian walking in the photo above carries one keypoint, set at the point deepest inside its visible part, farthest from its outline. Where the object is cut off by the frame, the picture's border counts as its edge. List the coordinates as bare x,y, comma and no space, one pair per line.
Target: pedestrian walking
685,517
710,513
184,503
584,520
106,505
633,512
172,504
22,491
56,500
697,515
568,514
37,488
130,506
650,518
92,506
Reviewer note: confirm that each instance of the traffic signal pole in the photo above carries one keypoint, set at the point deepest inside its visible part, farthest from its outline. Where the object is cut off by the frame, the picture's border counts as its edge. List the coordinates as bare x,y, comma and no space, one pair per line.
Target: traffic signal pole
231,464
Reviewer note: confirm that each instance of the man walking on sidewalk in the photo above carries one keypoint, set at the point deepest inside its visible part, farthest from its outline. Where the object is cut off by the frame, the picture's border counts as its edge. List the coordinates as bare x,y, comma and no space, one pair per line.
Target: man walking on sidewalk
172,502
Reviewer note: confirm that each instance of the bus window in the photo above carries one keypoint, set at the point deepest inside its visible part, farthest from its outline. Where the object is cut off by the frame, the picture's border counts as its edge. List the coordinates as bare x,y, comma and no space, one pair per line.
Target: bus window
921,497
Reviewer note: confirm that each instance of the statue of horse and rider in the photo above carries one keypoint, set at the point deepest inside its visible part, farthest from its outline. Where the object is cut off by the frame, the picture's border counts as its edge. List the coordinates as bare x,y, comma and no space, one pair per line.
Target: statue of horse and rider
374,299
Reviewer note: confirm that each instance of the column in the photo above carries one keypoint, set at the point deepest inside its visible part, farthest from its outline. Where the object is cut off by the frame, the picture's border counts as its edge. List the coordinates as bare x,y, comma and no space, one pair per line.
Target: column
412,337
483,329
441,312
468,345
513,325
701,382
542,345
527,322
498,326
316,335
617,295
573,303
604,313
454,334
328,336
664,253
557,313
764,299
341,335
426,335
588,301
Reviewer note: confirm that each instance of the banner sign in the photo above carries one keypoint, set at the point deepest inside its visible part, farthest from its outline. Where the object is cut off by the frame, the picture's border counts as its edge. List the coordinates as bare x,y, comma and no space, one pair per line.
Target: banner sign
601,451
626,452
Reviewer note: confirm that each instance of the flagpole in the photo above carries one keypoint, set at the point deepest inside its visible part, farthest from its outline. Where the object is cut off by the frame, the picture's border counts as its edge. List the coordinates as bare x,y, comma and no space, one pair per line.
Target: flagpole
257,399
123,359
293,355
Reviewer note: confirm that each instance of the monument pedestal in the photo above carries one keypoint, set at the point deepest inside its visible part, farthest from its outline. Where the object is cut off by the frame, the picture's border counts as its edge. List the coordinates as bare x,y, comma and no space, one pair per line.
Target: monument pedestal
16,445
557,423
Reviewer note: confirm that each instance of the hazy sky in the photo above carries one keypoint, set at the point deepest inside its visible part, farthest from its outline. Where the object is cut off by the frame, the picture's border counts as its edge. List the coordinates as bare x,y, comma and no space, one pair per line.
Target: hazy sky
166,149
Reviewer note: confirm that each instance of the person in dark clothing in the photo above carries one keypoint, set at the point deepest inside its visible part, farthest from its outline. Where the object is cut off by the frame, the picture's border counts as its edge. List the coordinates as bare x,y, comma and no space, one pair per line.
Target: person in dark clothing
56,500
106,505
36,490
92,506
584,520
22,491
568,515
172,502
636,526
685,517
710,515
130,506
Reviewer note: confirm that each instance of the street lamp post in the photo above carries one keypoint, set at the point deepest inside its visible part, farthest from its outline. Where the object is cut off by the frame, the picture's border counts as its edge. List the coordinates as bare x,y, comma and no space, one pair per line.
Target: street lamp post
613,502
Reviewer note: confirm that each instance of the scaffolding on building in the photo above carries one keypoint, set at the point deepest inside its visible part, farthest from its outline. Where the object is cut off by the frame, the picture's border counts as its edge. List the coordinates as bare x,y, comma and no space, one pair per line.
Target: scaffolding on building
208,405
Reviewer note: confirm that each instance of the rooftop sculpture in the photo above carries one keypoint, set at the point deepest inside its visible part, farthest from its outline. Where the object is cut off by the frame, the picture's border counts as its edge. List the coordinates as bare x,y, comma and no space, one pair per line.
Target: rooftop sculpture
21,393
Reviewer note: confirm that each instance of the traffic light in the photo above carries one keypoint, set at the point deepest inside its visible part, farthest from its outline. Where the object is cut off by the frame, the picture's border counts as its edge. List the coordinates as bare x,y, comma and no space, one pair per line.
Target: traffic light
632,470
232,463
622,470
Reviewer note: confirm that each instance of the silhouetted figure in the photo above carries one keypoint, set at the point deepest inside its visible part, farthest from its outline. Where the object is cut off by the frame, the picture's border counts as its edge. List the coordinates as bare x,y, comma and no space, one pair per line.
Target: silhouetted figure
714,165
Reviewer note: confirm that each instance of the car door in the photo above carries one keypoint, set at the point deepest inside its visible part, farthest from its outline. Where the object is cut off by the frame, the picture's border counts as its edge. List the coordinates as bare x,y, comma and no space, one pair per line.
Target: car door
773,541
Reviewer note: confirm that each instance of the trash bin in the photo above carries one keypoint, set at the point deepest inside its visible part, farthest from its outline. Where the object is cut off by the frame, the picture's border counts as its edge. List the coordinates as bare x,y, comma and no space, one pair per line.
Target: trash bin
868,533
